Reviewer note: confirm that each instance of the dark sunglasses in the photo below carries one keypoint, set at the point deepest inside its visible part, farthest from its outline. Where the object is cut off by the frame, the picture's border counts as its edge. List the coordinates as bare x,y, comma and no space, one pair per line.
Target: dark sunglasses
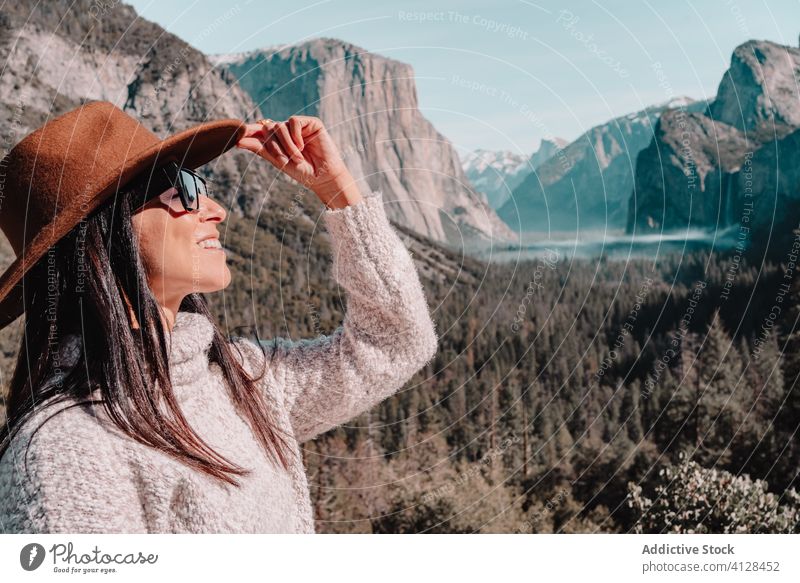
189,184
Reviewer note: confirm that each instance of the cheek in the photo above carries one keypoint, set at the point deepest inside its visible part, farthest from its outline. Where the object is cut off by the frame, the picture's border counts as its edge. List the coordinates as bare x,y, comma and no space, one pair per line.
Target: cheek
163,243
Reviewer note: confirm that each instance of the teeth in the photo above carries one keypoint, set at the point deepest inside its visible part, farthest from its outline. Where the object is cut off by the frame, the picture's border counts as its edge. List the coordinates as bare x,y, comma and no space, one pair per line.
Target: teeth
210,244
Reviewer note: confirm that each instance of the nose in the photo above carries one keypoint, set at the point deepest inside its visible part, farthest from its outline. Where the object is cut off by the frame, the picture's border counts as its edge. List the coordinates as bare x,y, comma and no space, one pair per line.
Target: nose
210,209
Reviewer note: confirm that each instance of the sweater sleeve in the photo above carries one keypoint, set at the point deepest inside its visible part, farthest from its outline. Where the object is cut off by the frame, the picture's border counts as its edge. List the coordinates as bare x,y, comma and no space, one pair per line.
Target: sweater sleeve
71,477
387,334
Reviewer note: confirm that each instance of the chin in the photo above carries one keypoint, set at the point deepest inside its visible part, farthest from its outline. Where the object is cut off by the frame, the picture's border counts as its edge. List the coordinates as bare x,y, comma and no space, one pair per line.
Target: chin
216,281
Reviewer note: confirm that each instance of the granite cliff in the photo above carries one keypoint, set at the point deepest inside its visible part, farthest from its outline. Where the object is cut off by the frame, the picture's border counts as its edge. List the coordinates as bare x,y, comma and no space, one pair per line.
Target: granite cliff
369,104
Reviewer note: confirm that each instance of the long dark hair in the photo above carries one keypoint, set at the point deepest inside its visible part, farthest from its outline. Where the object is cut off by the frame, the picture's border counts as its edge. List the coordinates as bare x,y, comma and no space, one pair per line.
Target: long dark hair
77,289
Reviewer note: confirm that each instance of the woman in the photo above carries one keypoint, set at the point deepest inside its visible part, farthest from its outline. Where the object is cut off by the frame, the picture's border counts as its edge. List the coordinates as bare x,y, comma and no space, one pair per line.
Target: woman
129,410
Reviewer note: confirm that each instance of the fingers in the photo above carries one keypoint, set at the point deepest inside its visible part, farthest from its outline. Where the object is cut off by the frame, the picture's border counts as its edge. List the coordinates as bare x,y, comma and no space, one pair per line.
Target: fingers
254,130
252,144
296,129
258,147
287,142
274,148
266,148
277,141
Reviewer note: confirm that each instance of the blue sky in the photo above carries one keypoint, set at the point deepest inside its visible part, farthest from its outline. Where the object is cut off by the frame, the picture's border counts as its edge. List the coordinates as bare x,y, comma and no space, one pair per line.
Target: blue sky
503,75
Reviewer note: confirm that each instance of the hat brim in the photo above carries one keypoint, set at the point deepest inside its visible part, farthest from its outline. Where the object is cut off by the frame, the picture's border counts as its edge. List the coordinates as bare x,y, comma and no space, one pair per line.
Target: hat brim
192,148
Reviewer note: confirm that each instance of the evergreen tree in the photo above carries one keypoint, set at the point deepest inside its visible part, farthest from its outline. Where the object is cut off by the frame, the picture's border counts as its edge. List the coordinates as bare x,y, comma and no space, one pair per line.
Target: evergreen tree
719,410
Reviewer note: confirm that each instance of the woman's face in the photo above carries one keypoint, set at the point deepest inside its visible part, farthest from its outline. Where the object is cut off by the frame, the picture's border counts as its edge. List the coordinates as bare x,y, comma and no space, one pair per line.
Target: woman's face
177,263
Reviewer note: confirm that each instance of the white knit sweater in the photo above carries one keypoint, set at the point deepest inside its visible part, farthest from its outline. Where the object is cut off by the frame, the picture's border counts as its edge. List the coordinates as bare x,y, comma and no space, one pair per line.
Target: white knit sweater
84,476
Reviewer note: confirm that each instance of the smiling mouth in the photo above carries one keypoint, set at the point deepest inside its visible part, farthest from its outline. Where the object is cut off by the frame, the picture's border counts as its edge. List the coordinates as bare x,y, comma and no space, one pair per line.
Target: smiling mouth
212,244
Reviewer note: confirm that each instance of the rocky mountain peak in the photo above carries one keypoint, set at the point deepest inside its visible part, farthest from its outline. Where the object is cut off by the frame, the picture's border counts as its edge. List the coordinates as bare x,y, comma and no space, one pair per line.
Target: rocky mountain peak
758,92
368,102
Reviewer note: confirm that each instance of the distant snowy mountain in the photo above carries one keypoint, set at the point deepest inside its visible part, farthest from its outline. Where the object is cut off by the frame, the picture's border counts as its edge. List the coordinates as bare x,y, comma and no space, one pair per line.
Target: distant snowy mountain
497,173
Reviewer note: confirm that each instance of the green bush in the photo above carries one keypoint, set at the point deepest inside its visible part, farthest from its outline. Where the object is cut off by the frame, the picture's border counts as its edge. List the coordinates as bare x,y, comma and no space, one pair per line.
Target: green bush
694,499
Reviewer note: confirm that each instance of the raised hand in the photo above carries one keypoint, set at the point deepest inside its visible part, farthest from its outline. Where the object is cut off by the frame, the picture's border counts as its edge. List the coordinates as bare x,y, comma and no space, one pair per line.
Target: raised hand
301,148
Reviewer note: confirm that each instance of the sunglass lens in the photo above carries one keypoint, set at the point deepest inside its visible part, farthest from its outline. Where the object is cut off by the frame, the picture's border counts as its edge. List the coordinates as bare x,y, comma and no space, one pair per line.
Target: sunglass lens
190,189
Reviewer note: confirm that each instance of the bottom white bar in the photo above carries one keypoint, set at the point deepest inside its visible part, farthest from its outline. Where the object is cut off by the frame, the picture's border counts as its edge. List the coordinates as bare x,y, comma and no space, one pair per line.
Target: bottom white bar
355,558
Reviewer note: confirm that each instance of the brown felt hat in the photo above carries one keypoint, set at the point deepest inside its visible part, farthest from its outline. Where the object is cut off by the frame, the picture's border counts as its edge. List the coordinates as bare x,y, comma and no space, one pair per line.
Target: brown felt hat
67,168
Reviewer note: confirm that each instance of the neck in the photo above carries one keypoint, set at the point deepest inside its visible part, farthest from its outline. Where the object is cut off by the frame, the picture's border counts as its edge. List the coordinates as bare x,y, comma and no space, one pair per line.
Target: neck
167,317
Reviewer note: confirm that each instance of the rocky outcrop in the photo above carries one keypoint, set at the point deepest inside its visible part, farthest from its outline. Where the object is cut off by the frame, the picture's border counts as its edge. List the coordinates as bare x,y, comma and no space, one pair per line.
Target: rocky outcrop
369,104
586,184
734,161
685,177
758,93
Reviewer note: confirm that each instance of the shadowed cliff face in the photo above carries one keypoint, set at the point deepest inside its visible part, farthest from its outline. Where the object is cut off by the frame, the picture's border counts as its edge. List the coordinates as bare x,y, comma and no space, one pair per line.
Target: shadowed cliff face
369,104
586,183
733,162
684,177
